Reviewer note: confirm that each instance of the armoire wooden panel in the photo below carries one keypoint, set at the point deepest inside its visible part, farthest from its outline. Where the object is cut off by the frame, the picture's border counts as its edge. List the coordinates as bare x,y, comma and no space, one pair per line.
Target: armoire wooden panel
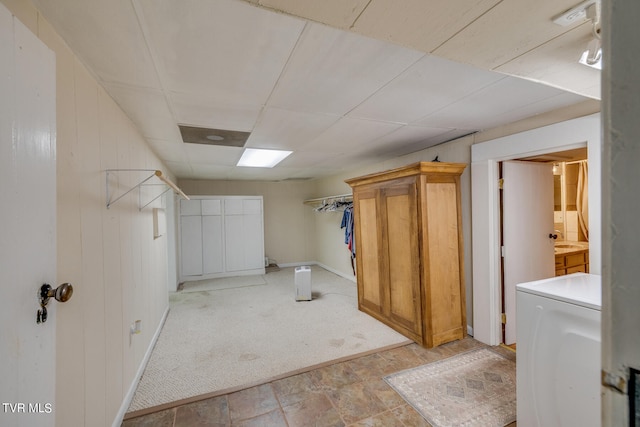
408,231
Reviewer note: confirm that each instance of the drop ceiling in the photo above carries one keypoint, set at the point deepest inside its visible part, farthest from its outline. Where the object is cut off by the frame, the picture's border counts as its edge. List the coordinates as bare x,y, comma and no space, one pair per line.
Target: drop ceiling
341,83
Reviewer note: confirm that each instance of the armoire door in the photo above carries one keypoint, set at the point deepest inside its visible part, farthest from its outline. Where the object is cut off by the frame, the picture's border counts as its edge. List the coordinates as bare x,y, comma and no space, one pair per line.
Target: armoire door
368,238
401,246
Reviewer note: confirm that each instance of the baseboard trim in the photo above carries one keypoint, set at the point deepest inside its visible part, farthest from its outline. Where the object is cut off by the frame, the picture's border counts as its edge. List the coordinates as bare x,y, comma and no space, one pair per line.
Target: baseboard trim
117,422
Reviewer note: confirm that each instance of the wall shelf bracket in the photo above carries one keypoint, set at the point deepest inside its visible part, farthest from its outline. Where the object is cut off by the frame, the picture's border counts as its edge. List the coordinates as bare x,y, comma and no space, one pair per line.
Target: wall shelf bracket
149,189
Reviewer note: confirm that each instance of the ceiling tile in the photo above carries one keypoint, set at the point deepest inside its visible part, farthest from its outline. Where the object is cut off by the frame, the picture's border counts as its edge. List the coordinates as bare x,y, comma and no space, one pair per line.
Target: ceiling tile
106,35
350,133
429,85
207,112
181,169
408,138
225,49
304,158
490,41
222,156
422,25
169,151
556,62
148,109
337,13
332,71
499,103
288,130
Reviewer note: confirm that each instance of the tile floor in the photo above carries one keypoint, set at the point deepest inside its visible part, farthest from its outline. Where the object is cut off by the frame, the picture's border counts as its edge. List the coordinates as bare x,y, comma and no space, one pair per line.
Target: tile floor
350,393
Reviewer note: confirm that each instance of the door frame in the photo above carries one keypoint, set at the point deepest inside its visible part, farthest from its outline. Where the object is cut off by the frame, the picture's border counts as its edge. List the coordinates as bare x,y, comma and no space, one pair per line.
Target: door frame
485,156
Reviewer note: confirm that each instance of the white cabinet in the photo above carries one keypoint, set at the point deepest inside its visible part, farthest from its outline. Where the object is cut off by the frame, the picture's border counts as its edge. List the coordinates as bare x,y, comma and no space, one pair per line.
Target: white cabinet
221,236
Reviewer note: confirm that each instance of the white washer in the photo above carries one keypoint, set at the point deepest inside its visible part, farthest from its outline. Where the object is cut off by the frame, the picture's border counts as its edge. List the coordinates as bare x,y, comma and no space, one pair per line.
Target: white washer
558,351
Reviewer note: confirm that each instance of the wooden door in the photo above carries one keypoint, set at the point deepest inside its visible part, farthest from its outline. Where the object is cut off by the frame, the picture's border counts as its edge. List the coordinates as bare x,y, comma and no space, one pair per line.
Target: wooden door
399,222
444,305
368,240
28,217
527,218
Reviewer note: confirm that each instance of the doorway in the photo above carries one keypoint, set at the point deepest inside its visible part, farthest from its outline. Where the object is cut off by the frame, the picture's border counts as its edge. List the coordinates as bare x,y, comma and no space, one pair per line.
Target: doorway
485,157
543,209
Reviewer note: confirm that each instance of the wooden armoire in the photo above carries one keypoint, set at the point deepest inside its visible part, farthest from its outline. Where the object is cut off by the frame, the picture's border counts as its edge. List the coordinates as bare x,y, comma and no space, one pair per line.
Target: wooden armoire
408,232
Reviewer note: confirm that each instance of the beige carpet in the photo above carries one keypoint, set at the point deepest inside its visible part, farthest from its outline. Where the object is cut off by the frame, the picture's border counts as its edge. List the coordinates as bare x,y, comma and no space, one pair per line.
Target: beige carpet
477,388
219,339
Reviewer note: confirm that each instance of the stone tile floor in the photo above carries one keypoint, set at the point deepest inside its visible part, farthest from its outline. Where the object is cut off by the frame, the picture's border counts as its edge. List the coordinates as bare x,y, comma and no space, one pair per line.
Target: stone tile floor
350,393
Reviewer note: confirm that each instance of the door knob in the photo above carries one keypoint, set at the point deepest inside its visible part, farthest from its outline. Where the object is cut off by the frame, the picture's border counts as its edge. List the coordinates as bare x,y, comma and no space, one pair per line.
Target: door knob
62,293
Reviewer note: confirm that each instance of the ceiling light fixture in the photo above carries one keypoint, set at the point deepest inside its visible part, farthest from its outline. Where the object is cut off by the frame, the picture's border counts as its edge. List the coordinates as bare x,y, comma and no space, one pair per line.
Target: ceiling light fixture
592,57
258,158
215,138
586,10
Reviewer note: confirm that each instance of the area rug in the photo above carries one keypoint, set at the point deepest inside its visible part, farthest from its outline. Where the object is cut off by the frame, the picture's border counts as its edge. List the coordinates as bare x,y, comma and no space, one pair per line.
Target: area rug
477,388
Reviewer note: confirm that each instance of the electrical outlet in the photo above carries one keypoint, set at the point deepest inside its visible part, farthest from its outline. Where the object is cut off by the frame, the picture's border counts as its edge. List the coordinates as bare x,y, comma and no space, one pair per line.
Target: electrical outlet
135,327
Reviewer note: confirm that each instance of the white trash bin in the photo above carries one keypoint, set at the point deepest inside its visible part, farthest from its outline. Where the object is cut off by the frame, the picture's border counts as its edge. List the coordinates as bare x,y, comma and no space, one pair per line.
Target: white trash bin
303,283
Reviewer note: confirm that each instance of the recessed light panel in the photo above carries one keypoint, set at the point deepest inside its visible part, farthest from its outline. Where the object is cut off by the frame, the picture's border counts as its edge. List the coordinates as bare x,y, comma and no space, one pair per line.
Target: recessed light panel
258,158
207,136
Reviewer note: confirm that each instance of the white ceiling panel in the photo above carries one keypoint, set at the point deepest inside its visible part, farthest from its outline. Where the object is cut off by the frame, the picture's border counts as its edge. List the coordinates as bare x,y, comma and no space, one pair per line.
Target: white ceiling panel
199,111
422,25
350,134
181,169
288,130
332,71
169,151
210,171
214,154
148,109
228,49
489,41
501,102
329,93
409,138
427,86
556,62
304,158
107,36
336,13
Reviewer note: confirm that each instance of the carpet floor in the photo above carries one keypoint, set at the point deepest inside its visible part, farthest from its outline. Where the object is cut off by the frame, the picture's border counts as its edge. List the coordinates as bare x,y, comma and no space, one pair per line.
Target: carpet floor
222,339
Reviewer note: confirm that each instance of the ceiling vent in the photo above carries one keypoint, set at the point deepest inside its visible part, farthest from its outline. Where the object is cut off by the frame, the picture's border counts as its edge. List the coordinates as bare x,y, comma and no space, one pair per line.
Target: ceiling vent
218,137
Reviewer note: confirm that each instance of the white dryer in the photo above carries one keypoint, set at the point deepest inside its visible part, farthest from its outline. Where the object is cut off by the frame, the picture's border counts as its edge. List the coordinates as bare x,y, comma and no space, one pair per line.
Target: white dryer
558,351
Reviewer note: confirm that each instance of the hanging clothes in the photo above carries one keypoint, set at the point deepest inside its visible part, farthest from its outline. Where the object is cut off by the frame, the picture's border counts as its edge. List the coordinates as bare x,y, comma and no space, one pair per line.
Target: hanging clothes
347,224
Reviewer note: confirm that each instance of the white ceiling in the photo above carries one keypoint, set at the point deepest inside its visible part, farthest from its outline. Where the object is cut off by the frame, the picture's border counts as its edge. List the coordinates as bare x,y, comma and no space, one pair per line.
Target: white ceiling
340,82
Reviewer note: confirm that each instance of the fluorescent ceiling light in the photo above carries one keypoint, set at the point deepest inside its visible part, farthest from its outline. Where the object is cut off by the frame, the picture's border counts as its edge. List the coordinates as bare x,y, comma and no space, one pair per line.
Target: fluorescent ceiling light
257,158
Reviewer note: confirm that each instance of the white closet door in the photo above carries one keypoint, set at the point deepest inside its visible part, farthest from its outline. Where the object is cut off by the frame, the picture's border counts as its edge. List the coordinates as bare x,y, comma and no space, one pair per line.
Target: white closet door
191,245
253,233
244,244
190,207
212,241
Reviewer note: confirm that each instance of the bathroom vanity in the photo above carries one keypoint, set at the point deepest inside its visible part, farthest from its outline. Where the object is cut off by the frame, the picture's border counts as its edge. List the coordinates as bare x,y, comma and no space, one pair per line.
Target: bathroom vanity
571,257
